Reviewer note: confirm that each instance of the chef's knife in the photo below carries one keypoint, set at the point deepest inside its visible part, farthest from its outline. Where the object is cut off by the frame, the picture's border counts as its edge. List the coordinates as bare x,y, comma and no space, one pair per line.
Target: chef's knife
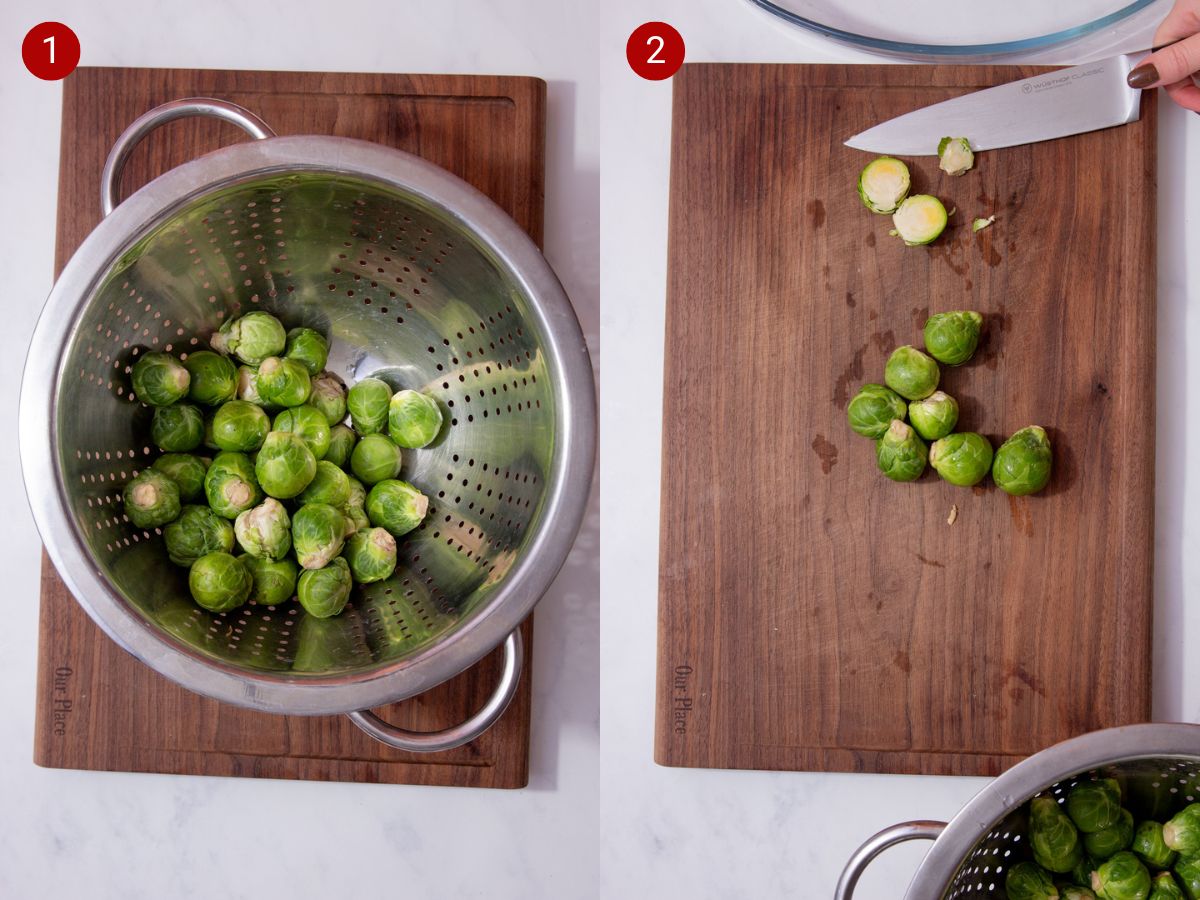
1051,105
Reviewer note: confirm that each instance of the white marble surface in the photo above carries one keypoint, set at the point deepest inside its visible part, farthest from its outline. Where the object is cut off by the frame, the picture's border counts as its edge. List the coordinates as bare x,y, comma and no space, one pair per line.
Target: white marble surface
714,834
76,834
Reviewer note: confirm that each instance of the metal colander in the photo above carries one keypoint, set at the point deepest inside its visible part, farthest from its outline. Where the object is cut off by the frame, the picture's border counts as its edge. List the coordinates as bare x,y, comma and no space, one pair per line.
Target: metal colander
417,279
1158,767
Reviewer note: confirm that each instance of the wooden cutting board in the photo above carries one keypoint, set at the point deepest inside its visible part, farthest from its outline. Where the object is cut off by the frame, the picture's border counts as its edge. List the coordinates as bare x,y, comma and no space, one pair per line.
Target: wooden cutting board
99,708
813,614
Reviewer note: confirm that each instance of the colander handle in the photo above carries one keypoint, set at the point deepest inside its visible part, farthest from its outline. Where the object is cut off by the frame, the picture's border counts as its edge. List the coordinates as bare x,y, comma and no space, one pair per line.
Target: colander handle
897,834
177,109
464,733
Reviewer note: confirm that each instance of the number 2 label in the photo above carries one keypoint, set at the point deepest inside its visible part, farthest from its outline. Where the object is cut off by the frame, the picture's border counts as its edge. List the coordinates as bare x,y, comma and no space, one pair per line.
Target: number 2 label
655,51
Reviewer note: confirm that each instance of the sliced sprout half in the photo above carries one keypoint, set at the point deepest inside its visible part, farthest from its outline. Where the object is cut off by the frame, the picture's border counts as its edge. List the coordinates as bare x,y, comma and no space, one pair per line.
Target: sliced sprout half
920,219
883,183
955,156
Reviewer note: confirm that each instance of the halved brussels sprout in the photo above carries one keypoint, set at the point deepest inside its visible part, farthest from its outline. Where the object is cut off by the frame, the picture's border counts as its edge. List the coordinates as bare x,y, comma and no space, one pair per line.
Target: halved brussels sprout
1022,464
274,579
323,592
955,156
307,347
1149,846
1094,805
283,382
329,396
873,409
368,401
265,530
219,582
371,554
414,419
900,453
307,422
186,470
197,532
1052,836
1164,887
1123,877
1111,840
239,425
285,465
375,458
1027,881
151,499
318,532
919,219
159,379
252,337
231,485
911,374
882,184
341,444
952,337
1187,873
1182,831
330,485
397,506
177,428
935,416
214,378
963,459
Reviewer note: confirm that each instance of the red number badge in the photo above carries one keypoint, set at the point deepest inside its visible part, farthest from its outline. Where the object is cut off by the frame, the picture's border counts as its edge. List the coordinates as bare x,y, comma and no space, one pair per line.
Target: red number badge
655,51
50,51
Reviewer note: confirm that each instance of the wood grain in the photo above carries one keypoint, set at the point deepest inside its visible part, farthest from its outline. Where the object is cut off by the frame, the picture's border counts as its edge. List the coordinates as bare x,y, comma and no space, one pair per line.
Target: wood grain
97,707
813,614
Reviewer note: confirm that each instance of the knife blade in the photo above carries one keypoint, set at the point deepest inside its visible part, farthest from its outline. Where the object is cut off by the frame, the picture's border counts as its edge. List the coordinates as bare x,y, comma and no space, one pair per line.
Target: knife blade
1052,105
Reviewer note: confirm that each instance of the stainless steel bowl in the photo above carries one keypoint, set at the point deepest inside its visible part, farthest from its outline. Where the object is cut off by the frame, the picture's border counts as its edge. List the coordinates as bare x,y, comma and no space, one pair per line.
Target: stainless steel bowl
419,279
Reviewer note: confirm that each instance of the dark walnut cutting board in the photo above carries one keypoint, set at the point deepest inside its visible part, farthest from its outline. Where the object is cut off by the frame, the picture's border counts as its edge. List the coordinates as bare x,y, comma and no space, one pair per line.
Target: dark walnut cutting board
813,614
99,708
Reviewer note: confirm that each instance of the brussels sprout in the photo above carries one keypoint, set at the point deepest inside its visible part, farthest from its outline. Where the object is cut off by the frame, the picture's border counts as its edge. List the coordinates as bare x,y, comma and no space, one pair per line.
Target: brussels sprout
1074,892
901,455
159,379
911,374
247,388
323,592
1022,464
980,224
1107,841
177,428
341,444
307,347
329,396
265,530
1164,887
368,404
356,518
318,532
1052,836
239,425
283,382
358,493
952,337
919,219
1182,831
882,184
963,459
1123,877
1082,872
355,506
1094,805
1149,846
208,440
186,470
397,506
935,416
1027,881
873,409
330,485
285,465
414,419
1187,873
371,554
375,458
214,378
307,422
219,582
955,156
274,579
197,532
231,485
151,499
251,338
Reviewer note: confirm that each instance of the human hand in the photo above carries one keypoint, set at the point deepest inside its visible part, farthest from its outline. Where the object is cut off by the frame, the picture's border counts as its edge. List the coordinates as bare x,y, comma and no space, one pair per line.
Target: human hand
1171,67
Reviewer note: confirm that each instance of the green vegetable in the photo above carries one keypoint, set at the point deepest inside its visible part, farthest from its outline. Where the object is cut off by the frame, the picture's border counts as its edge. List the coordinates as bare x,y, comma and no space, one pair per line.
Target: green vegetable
214,378
358,493
355,506
307,422
1027,881
307,347
911,374
980,224
274,579
397,506
1052,836
1094,805
963,459
951,337
186,470
1082,873
151,499
159,379
318,532
873,409
239,425
371,554
251,338
1182,831
1121,878
231,485
219,582
330,485
368,402
900,453
955,156
341,444
935,416
323,592
283,382
1150,847
1022,464
414,419
1073,892
285,465
375,458
265,530
1164,887
1187,873
920,219
247,387
329,396
197,532
208,434
1107,841
882,184
177,428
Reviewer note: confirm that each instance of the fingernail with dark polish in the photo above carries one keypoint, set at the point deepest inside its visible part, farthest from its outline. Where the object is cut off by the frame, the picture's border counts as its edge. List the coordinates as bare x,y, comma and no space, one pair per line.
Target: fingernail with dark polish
1143,76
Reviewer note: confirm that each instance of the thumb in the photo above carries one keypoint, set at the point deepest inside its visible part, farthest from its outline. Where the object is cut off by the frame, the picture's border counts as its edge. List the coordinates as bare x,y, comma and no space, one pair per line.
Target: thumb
1169,65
